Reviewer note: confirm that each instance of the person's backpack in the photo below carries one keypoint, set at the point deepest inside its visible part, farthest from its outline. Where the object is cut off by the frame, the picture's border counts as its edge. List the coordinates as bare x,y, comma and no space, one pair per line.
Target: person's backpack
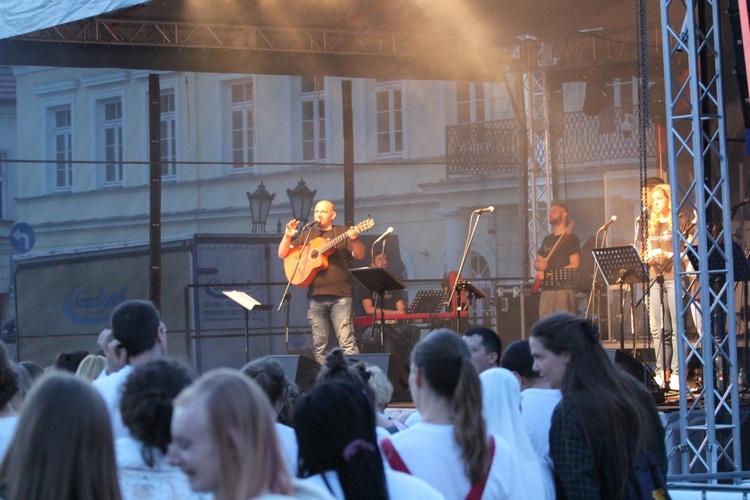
646,480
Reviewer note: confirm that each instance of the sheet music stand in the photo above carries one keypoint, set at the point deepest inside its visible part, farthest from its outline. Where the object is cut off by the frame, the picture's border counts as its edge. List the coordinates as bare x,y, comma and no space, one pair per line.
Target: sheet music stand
621,266
428,301
248,304
715,261
378,280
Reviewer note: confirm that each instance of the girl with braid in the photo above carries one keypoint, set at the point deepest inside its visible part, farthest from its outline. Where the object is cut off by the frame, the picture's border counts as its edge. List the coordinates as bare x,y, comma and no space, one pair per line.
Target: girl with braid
450,449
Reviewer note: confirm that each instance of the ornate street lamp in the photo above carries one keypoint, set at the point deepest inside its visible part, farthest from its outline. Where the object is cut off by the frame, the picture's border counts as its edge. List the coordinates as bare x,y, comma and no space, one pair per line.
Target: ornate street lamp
301,199
260,204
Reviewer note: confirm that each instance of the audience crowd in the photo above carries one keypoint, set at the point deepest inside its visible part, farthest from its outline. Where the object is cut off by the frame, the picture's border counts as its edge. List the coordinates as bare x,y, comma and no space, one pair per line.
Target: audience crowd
129,422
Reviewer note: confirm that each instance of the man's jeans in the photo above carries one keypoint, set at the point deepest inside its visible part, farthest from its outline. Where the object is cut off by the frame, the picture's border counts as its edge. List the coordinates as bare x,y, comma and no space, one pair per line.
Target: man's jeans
326,313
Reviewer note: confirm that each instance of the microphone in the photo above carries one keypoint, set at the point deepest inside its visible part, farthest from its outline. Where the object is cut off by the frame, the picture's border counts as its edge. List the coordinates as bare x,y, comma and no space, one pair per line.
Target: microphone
483,210
309,224
383,236
608,223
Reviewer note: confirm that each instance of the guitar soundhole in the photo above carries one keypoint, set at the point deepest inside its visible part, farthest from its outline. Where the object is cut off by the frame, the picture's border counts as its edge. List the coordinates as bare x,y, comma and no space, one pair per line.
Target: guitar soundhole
314,254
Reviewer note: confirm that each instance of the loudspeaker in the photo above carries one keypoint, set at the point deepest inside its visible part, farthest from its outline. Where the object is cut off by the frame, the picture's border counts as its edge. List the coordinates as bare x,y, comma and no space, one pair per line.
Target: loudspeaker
301,369
508,315
635,368
394,366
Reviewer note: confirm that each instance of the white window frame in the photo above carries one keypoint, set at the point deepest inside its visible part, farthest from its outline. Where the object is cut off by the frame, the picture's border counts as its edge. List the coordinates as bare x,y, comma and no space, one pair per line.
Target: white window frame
62,164
317,99
116,126
248,126
394,116
168,123
475,103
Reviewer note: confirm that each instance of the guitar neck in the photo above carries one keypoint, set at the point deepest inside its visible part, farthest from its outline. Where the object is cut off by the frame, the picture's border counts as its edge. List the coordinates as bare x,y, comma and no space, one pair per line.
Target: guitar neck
332,243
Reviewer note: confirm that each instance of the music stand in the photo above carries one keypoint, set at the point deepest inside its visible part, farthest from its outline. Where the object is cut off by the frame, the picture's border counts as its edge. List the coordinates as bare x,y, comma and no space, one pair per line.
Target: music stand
716,261
248,304
378,280
621,266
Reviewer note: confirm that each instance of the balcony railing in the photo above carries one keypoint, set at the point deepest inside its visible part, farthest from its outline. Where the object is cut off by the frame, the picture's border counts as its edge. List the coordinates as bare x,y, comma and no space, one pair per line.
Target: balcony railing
491,148
482,148
609,136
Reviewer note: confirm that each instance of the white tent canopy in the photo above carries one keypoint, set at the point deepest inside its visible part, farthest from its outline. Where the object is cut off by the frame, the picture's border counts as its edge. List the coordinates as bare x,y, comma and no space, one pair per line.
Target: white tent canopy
24,16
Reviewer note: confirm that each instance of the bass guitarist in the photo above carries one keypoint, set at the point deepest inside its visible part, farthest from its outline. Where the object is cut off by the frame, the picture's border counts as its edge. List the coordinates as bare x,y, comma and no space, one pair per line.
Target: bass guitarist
329,294
566,255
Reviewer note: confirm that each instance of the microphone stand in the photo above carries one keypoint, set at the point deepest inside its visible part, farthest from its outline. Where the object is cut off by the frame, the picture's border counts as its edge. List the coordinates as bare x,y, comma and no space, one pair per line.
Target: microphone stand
458,285
596,268
378,297
286,297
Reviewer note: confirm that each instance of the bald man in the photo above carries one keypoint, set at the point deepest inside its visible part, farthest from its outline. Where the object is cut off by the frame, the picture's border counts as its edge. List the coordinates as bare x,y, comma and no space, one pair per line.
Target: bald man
329,296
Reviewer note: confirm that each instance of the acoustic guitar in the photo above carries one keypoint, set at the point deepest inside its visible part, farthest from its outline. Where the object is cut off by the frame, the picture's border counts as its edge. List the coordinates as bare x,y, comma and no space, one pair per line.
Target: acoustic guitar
313,257
540,274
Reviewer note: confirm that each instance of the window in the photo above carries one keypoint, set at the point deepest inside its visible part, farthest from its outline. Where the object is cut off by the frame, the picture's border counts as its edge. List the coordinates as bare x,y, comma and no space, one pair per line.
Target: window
62,144
168,135
242,124
389,113
469,102
313,109
111,121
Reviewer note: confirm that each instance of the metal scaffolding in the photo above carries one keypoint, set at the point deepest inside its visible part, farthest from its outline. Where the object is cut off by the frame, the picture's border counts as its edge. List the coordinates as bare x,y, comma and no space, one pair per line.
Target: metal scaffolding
709,433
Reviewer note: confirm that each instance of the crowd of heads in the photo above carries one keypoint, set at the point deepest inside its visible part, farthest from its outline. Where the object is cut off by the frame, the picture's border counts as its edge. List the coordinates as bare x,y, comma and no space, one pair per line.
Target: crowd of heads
221,429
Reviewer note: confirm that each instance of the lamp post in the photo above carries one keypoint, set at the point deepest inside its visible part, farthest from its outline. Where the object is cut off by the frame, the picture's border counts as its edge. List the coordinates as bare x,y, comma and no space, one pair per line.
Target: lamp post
260,204
301,199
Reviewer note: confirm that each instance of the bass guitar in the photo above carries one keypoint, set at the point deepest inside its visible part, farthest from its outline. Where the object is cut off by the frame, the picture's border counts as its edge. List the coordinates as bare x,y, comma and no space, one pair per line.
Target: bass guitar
540,274
313,257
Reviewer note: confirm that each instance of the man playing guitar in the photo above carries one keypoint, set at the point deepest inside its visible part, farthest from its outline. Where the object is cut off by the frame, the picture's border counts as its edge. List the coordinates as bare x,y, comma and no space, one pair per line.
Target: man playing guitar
566,255
330,292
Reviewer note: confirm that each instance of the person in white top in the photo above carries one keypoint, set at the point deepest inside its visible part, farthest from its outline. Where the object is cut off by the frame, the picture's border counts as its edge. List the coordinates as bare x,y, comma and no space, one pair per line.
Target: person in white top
501,397
146,408
335,425
141,337
223,439
269,375
538,399
9,387
450,448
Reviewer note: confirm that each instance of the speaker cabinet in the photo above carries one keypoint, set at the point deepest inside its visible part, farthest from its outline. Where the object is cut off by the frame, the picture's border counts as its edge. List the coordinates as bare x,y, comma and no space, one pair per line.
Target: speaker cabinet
301,369
510,309
394,366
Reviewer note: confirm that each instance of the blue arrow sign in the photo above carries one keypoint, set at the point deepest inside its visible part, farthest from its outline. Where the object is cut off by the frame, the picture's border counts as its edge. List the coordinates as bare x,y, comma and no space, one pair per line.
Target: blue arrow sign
22,237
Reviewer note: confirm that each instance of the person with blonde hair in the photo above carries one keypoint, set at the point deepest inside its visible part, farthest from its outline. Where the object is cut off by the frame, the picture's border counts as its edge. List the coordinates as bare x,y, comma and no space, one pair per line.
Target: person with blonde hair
382,391
450,448
662,299
91,367
223,438
63,446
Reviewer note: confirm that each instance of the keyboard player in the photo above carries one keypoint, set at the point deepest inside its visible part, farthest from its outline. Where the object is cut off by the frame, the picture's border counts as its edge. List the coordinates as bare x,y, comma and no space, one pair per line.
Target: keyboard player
399,337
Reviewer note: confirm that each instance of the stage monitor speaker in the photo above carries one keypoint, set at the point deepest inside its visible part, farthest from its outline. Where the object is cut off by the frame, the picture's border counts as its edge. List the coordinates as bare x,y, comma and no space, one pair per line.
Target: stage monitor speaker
635,368
301,369
396,369
508,315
